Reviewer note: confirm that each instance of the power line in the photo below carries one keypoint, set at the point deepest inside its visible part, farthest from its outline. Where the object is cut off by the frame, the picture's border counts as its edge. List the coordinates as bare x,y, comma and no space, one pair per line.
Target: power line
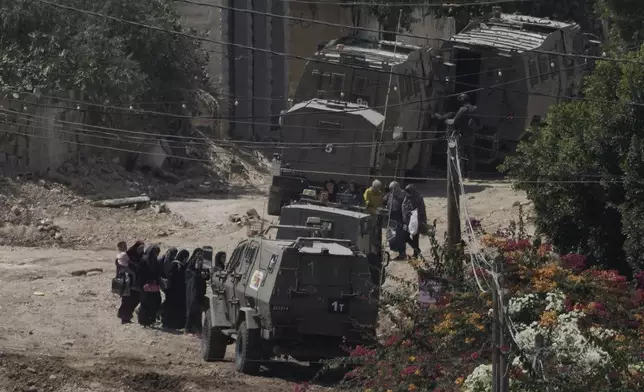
505,182
425,4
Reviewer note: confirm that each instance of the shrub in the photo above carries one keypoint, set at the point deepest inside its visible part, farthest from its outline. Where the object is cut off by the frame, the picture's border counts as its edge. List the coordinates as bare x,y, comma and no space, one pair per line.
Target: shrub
588,323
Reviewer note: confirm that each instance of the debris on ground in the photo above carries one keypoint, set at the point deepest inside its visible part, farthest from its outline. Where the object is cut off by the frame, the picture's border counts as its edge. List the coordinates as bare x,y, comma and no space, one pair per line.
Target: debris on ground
126,201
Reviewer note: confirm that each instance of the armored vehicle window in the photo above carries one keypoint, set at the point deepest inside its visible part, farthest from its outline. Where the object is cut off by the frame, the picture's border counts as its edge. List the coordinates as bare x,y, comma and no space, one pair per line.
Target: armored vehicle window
533,72
236,257
330,128
337,85
544,67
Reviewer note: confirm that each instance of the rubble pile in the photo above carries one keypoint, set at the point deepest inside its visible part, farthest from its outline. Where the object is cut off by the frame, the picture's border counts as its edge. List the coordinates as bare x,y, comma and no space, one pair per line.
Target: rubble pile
250,218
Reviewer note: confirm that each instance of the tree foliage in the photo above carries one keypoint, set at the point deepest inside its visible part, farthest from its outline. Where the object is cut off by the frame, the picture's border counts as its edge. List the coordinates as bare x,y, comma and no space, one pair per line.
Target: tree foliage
52,49
574,168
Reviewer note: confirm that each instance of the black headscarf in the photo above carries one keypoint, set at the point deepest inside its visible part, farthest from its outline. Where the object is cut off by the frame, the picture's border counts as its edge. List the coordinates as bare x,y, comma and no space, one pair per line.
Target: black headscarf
134,253
196,259
182,256
219,259
169,256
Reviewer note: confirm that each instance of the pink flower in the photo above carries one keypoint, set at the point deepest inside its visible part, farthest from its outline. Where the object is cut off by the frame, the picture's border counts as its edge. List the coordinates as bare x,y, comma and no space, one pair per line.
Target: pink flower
301,387
360,351
409,370
639,278
391,341
574,261
474,356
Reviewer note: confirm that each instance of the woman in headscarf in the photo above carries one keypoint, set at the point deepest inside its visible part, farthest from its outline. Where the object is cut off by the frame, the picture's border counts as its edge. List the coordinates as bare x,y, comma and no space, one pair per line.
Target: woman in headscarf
195,292
413,201
169,256
150,280
394,201
330,187
130,302
373,197
174,306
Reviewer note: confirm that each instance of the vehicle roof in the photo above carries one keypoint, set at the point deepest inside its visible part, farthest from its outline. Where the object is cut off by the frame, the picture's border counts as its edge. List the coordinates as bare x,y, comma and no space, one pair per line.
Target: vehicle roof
510,32
330,210
374,51
333,248
324,105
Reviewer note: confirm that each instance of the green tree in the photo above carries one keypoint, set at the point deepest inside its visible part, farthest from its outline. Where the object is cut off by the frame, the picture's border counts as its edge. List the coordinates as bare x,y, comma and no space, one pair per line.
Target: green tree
573,167
51,49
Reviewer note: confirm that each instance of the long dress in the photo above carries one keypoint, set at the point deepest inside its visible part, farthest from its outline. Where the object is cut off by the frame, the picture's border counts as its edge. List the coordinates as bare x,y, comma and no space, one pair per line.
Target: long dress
195,292
174,306
130,302
150,281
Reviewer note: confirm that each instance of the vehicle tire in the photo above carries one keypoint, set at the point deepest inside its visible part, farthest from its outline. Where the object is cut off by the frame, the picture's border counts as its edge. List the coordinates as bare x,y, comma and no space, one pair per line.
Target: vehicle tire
246,350
213,342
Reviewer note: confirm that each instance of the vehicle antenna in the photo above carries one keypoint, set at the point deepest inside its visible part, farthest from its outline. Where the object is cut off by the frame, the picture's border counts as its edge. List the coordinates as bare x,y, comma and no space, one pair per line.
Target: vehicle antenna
391,74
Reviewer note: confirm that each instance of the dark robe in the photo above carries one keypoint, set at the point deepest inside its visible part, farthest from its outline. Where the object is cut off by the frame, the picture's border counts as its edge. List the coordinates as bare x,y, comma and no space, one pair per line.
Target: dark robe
394,202
130,302
195,278
149,275
174,306
414,201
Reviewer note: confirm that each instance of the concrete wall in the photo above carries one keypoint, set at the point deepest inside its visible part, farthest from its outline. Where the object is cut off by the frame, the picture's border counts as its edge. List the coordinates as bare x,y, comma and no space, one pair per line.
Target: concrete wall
31,138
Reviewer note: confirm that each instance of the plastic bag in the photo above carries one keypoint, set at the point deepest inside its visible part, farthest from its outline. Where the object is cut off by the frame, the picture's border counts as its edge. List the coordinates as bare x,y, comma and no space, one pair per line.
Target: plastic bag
413,222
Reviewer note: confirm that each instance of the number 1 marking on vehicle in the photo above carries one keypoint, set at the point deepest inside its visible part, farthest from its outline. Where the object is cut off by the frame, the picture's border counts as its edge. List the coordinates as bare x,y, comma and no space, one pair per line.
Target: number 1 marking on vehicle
337,307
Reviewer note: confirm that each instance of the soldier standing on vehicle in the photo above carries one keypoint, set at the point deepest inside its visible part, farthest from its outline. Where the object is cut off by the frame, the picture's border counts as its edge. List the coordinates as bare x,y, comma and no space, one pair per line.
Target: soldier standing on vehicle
373,197
463,122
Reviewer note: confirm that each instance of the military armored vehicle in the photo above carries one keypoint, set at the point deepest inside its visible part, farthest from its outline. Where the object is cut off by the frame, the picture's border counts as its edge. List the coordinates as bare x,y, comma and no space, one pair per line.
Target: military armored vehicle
304,298
501,48
342,100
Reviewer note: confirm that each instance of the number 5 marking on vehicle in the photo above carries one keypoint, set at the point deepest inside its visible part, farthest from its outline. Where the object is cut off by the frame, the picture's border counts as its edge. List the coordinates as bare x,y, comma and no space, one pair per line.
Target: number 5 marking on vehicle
337,307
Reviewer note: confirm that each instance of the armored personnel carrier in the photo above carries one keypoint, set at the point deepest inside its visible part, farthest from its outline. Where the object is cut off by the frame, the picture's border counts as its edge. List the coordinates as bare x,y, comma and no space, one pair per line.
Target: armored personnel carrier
534,63
340,103
304,298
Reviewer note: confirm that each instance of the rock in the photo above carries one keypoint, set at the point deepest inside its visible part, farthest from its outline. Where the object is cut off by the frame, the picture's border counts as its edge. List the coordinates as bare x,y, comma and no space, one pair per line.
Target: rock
161,208
68,343
252,213
39,294
234,218
53,377
30,389
31,370
94,273
16,210
58,236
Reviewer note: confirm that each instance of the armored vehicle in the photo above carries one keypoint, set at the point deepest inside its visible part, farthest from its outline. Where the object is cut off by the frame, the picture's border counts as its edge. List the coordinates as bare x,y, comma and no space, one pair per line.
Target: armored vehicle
304,298
513,59
342,99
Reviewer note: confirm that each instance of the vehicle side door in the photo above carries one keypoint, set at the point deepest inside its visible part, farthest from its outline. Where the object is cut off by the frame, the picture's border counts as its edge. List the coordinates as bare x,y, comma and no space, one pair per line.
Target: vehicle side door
247,269
232,278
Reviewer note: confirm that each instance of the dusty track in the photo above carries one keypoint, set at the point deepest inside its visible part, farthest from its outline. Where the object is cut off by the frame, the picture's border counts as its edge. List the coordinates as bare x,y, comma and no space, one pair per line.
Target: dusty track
60,333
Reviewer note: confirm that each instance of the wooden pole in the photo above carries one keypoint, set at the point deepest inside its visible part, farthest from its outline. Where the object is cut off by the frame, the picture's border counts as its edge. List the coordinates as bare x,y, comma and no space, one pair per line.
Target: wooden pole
504,385
453,188
495,336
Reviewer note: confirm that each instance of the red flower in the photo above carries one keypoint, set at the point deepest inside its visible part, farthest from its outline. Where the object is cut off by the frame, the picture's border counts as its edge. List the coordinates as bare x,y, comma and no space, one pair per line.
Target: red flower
409,370
360,351
301,387
391,341
638,297
568,304
474,355
574,261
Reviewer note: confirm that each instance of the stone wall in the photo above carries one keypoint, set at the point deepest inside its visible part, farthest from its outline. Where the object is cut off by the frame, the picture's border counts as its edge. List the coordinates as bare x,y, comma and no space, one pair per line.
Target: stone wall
32,138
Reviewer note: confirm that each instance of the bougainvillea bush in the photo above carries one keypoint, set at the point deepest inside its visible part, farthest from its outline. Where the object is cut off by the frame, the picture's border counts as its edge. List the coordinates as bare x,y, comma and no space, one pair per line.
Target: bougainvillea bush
568,327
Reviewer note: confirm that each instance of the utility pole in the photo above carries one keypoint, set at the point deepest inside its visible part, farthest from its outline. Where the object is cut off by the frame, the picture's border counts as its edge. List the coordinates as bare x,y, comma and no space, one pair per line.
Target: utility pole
453,188
500,379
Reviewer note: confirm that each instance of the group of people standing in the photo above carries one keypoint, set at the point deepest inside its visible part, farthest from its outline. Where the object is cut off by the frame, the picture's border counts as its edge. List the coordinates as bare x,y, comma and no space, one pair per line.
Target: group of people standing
402,206
142,275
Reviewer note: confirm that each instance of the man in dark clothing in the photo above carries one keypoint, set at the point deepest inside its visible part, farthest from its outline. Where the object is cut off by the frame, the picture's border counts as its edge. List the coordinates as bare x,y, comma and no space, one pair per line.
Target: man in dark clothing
174,307
464,124
150,281
413,201
355,195
195,278
130,302
395,233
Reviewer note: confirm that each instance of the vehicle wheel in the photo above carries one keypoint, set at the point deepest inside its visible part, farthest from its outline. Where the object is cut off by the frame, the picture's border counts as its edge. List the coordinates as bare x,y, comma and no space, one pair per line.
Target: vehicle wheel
213,342
246,348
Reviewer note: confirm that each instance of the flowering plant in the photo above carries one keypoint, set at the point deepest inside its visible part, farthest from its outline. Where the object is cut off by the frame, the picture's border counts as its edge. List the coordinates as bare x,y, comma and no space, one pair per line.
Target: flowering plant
568,327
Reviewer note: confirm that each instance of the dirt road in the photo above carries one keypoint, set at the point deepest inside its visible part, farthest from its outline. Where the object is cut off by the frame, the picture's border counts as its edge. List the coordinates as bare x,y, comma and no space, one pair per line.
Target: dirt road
60,333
